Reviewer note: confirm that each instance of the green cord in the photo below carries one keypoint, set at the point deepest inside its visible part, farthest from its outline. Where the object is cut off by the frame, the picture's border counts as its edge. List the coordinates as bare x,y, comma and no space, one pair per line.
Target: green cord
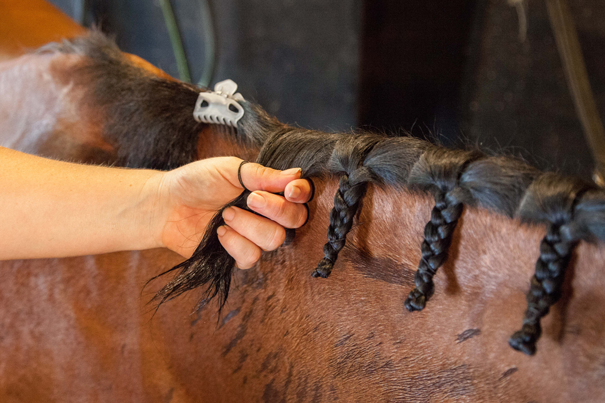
176,41
209,44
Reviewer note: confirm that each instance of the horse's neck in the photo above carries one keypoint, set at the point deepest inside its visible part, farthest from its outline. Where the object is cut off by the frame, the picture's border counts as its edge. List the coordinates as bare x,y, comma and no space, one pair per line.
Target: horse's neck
478,303
42,111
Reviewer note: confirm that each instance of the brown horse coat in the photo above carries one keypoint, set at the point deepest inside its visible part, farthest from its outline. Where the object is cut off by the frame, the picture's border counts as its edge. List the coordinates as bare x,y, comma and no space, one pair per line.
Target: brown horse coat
78,329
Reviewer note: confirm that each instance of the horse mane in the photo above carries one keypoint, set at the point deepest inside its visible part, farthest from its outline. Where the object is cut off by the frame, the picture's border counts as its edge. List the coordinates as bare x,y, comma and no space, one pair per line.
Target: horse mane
572,209
149,121
147,118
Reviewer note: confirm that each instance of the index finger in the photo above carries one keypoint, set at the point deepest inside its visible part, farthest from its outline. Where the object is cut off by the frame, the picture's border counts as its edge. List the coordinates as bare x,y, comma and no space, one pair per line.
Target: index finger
257,177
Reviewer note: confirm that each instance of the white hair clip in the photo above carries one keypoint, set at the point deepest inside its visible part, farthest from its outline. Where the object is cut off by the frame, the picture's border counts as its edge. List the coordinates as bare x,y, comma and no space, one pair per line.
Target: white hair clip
220,106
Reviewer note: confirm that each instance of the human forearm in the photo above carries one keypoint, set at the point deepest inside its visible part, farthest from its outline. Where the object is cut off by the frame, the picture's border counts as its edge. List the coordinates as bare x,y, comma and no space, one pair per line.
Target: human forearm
57,209
54,209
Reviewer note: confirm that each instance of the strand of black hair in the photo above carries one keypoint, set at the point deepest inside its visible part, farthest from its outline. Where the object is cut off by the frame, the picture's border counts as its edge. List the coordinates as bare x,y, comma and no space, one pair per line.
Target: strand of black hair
437,239
346,202
210,266
348,156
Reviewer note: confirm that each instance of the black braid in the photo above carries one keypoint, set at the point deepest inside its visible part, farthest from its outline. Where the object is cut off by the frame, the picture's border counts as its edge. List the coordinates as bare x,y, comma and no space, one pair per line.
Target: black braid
545,289
443,171
348,157
555,252
346,202
437,239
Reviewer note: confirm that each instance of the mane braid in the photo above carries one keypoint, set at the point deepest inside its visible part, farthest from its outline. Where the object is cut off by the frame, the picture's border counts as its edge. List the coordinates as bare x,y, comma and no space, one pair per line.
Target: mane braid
558,199
442,171
571,210
349,156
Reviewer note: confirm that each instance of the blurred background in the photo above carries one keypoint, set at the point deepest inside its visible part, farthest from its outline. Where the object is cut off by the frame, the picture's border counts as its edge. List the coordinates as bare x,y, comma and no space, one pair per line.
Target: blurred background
459,71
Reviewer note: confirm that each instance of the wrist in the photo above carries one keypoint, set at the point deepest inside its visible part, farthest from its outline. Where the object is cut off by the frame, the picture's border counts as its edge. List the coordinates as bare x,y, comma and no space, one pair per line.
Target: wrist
151,212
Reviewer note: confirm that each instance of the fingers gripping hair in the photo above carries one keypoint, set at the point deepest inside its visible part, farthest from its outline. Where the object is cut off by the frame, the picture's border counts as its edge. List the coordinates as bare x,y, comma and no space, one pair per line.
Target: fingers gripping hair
552,199
210,266
348,156
438,170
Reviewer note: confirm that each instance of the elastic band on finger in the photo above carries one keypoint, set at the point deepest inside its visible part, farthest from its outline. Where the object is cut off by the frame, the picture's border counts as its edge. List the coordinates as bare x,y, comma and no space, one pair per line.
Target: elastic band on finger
312,185
239,174
308,214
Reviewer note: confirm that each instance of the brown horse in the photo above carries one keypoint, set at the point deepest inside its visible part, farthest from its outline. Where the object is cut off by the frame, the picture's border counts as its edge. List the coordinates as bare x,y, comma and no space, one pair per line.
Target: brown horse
78,330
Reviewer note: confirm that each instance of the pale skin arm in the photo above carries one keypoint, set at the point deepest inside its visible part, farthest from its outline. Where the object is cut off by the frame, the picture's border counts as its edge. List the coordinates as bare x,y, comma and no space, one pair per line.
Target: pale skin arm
57,209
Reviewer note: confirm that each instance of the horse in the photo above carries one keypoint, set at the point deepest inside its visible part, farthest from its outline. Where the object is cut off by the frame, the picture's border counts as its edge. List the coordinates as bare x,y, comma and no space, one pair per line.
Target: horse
78,329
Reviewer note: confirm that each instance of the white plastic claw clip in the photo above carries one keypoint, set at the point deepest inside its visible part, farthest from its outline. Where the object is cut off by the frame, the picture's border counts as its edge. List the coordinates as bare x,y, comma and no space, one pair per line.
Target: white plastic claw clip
220,106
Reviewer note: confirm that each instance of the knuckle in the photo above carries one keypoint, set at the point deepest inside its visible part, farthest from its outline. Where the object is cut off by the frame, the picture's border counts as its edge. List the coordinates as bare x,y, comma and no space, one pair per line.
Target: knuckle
301,217
267,171
281,209
228,240
259,170
249,258
233,160
276,238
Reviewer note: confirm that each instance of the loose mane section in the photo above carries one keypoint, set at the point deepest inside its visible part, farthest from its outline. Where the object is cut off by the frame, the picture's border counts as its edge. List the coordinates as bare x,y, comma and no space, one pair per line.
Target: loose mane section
148,119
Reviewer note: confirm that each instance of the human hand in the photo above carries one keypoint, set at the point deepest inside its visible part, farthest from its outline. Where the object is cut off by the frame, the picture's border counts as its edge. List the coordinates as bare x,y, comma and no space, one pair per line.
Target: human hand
192,194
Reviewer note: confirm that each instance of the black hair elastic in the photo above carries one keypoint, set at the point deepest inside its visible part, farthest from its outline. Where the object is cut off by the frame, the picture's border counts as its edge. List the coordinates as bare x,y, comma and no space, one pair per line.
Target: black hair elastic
239,174
312,185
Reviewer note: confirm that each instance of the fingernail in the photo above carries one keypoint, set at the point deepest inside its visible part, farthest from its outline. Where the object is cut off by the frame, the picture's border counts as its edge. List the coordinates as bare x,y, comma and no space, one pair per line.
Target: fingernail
294,192
221,230
255,200
228,214
291,171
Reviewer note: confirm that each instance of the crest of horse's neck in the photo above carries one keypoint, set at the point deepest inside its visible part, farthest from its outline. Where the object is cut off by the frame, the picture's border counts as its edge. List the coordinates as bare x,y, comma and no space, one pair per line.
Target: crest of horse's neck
217,141
478,303
42,112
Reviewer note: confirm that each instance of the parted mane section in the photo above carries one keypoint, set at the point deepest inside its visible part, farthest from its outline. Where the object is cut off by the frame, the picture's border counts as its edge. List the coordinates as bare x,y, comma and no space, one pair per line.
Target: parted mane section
148,119
572,210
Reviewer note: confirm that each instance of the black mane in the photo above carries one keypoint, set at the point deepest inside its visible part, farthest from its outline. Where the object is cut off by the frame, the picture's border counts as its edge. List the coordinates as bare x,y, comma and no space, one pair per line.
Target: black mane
572,209
151,125
147,119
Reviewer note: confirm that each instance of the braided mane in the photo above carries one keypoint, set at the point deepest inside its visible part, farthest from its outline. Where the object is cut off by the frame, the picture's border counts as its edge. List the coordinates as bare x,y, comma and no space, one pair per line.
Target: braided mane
571,209
151,126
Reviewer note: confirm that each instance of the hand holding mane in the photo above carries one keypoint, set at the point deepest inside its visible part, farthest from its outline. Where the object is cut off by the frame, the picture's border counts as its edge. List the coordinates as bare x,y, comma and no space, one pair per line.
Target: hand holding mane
71,209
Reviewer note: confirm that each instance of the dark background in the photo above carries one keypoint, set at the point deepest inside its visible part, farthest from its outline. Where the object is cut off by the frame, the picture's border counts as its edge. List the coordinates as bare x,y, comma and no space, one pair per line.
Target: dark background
452,70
